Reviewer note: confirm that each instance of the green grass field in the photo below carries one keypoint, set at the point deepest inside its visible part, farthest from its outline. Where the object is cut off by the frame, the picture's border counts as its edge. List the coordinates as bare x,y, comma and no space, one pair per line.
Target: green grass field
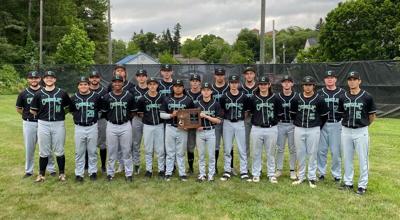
156,199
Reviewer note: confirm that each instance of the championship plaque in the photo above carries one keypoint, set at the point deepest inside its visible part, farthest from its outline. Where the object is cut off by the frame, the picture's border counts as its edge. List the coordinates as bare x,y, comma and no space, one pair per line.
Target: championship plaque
189,118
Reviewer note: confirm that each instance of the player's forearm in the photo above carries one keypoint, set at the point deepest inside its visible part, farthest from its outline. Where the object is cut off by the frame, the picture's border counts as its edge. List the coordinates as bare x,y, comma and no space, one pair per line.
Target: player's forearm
20,110
371,118
213,120
164,115
33,112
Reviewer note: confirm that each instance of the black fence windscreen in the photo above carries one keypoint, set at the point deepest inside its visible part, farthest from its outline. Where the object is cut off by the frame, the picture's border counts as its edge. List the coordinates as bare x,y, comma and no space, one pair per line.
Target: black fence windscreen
380,78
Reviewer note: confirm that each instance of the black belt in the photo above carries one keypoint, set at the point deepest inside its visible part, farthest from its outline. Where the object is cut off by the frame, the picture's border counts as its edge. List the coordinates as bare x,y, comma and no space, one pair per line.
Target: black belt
86,124
208,128
266,126
353,127
332,121
118,123
32,120
174,125
286,121
233,120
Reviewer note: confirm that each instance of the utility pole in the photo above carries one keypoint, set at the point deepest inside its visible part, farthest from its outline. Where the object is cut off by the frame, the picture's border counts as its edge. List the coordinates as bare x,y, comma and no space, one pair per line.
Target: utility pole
109,33
273,43
41,35
262,33
284,53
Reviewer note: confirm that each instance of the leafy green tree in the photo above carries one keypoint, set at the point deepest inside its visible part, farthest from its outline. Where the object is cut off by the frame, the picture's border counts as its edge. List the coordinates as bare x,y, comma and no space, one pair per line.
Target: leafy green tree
252,41
119,50
167,58
192,48
214,51
177,38
10,81
241,53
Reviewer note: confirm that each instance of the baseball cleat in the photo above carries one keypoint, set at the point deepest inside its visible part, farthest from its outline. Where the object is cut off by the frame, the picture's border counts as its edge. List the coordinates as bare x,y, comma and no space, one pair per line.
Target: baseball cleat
27,175
109,178
256,179
321,178
346,187
201,179
337,180
79,179
61,177
40,179
245,177
129,179
297,182
136,169
226,176
53,174
211,178
167,178
312,183
183,178
278,173
293,175
148,174
273,180
161,174
93,176
361,191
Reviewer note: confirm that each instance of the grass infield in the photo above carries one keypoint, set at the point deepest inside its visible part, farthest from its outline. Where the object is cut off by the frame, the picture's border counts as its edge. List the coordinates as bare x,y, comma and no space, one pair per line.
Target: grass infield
157,199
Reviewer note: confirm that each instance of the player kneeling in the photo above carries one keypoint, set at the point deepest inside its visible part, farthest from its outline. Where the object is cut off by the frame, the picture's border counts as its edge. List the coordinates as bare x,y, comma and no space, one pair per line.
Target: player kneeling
266,108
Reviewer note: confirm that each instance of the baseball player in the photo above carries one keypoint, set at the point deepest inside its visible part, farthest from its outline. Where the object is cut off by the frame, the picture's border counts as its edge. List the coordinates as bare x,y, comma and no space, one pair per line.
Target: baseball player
85,105
50,105
175,138
30,124
286,129
194,93
148,107
166,83
266,108
119,106
94,79
219,88
309,114
358,109
331,132
235,105
248,87
211,115
137,125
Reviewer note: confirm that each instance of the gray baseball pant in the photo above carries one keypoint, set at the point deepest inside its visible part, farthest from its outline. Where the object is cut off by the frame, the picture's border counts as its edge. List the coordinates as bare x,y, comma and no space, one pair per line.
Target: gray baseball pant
175,145
137,134
51,138
153,138
330,138
119,135
306,141
248,125
355,140
263,138
234,130
85,140
101,139
205,141
285,132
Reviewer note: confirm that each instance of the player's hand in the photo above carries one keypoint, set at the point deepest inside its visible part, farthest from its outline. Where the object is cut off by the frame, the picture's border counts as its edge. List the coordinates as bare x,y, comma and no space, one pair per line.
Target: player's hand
200,128
174,113
202,115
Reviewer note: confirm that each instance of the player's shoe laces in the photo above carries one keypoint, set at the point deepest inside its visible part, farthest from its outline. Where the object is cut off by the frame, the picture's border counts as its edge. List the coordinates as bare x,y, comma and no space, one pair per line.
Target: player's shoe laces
226,176
245,177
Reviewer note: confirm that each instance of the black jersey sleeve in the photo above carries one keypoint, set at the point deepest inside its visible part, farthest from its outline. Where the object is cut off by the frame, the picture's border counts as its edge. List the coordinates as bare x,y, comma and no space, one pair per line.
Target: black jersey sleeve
140,105
371,107
218,111
35,104
164,105
247,103
72,107
66,101
278,106
131,105
20,101
322,107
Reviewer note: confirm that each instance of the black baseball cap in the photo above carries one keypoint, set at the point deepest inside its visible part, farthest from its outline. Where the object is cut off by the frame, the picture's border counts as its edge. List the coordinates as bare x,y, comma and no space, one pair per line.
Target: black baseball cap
49,73
33,74
287,77
195,76
178,82
83,79
94,74
234,78
330,73
308,80
120,66
117,77
353,74
166,67
141,72
219,71
263,80
206,85
152,79
249,68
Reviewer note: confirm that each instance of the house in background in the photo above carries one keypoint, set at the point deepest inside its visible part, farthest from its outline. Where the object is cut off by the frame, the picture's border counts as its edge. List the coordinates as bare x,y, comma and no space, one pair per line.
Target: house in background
312,41
139,58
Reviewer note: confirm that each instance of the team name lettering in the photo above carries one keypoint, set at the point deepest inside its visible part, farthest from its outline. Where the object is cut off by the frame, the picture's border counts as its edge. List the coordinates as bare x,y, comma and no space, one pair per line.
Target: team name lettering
48,100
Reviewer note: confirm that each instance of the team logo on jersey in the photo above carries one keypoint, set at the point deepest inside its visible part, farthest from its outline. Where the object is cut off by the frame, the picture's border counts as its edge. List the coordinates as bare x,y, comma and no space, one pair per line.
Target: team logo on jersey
359,106
155,106
286,105
176,106
54,100
29,100
209,112
165,91
118,104
269,106
331,100
84,104
307,107
234,105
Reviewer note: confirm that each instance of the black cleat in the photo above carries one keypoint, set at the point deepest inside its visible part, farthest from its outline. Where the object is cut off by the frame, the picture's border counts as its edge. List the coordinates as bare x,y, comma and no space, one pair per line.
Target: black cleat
346,187
27,175
109,178
79,179
321,178
161,174
136,169
103,170
129,179
361,191
191,171
337,180
53,174
93,176
183,178
167,178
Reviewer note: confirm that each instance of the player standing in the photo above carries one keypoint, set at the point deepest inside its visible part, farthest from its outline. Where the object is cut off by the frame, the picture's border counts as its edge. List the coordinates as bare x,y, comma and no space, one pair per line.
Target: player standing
50,105
30,124
166,83
330,133
309,114
286,129
358,108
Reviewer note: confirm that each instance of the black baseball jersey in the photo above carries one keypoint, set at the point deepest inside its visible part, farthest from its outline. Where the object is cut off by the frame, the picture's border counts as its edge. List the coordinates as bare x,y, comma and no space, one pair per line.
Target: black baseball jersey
331,98
118,108
218,92
172,103
165,88
234,106
128,86
150,107
139,92
308,111
101,91
356,109
286,101
24,102
211,108
85,108
51,105
194,96
266,110
248,91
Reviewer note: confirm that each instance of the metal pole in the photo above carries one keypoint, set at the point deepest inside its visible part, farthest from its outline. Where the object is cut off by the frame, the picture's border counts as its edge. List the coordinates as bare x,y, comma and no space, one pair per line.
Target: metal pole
262,33
273,43
109,34
284,55
41,34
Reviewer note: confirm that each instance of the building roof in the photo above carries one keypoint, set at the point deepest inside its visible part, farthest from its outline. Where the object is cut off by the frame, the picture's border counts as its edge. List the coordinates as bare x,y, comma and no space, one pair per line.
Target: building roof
129,58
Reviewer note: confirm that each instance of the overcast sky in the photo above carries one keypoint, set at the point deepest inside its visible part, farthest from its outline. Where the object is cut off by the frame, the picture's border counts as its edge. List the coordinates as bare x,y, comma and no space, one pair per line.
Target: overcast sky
220,17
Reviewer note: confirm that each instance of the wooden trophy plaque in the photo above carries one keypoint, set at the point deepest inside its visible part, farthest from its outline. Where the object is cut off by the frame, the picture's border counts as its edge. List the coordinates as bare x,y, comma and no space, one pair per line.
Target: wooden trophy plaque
189,118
